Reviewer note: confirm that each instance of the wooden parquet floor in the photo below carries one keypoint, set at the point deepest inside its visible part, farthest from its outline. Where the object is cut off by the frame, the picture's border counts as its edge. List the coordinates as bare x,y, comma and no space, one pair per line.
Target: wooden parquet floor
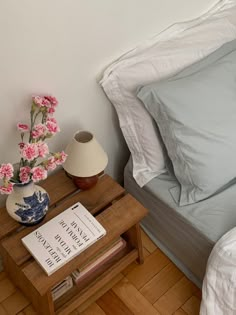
155,288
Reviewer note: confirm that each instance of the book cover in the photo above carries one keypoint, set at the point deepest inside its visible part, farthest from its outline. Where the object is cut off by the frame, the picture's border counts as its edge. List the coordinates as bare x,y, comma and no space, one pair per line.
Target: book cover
62,238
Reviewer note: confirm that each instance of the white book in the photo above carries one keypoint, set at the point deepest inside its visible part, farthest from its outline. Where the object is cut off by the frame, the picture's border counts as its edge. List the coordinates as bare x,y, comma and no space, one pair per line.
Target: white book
62,238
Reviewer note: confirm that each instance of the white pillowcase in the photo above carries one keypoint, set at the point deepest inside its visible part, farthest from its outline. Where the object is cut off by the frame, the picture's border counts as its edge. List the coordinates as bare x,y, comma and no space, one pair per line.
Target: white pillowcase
163,56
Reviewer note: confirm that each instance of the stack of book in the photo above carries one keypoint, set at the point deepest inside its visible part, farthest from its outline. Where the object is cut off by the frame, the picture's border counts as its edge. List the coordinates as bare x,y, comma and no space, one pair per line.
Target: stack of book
93,267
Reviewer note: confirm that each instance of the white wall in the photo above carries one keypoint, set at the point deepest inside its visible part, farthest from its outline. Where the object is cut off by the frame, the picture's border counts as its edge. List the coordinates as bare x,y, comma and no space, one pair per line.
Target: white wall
60,47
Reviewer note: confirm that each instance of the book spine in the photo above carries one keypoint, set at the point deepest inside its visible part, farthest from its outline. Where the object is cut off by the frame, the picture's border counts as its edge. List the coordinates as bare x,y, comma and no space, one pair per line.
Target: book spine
100,253
62,288
78,275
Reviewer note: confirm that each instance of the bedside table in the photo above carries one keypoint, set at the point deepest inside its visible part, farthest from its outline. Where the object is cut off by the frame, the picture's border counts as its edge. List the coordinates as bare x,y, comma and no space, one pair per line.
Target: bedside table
118,212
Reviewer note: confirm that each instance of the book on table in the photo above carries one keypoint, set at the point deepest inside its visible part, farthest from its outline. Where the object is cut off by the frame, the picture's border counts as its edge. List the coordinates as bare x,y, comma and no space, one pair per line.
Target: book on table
62,238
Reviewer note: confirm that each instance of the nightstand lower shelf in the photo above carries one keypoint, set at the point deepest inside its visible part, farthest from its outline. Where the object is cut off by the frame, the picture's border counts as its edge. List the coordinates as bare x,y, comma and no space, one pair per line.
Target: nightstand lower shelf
76,297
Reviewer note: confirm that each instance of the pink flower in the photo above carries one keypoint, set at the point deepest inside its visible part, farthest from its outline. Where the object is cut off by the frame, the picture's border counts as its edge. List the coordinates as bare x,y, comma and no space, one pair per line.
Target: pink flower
25,174
52,127
40,101
49,102
42,126
38,131
29,151
6,171
7,188
50,164
52,119
23,127
51,110
60,157
38,173
21,145
52,100
42,149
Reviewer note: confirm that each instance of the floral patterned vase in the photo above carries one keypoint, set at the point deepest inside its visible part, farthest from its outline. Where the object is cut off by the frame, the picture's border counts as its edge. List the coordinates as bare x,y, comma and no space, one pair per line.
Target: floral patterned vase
28,203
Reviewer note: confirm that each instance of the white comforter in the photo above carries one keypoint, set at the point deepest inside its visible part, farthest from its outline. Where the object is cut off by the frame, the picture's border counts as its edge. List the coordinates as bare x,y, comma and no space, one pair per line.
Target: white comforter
219,285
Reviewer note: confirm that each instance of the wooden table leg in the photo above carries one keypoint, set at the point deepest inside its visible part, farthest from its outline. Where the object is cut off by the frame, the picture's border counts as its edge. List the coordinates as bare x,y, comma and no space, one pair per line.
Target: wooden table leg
43,305
134,237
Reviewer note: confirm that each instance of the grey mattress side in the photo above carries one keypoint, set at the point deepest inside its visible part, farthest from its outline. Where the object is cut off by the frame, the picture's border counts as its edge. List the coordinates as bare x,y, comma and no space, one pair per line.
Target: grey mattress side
185,234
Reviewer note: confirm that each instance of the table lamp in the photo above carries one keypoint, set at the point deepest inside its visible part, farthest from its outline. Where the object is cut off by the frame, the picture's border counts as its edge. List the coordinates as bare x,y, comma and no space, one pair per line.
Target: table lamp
86,159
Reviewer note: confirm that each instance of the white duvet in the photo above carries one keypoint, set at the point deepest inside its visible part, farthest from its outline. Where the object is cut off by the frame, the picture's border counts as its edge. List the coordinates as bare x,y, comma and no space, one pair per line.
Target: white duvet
219,284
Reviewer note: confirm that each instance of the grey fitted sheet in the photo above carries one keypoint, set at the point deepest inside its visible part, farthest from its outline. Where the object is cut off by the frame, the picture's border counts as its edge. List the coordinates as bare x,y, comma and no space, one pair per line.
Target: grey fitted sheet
186,234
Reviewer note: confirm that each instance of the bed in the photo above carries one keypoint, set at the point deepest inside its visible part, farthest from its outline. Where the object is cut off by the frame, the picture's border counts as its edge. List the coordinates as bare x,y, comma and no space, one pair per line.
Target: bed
175,98
187,235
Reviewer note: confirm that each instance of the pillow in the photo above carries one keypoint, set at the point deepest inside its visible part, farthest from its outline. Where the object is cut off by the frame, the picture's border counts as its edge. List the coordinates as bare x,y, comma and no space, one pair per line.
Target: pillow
163,56
196,115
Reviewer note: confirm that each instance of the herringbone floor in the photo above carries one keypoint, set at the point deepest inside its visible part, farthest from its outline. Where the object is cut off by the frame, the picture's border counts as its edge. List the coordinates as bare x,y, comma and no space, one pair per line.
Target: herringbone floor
154,288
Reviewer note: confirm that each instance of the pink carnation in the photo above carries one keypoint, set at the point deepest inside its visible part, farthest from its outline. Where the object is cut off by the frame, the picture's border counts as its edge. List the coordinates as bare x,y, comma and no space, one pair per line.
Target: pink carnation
40,101
42,149
60,157
50,164
25,174
29,151
38,131
7,188
51,110
38,173
46,101
23,127
52,100
52,119
6,171
21,145
52,127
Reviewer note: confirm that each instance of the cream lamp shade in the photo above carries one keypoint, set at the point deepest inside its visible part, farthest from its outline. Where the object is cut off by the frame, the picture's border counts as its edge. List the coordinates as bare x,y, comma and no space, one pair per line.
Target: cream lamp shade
86,157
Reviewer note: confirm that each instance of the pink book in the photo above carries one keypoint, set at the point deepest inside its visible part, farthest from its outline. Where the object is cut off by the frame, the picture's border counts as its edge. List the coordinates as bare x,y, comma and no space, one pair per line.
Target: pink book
80,275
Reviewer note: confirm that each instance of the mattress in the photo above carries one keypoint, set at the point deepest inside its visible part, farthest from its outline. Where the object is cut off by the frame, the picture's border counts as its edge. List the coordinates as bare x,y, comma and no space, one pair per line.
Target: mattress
185,234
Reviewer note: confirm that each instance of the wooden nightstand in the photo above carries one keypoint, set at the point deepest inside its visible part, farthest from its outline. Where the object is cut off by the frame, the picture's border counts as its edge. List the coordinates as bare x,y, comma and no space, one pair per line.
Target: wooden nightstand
117,211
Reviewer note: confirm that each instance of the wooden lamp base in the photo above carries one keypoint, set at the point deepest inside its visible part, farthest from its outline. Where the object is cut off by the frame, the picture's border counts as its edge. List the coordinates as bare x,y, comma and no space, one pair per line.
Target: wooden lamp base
85,183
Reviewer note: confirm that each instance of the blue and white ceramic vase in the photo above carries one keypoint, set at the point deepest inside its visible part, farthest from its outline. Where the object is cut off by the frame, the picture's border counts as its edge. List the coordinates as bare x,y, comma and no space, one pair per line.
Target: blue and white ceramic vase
28,203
